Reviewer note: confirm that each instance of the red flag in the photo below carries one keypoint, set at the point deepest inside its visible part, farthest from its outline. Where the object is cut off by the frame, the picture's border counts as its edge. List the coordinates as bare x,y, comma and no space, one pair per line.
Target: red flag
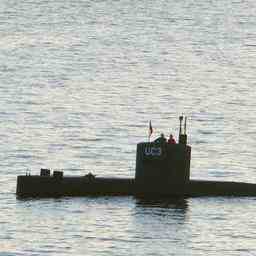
150,131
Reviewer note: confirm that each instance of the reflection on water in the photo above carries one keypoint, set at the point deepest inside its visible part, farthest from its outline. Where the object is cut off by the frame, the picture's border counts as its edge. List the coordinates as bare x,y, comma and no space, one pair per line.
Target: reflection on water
163,210
172,203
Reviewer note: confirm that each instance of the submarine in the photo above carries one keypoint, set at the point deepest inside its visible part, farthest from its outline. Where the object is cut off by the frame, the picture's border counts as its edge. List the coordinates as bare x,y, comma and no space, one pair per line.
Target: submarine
162,170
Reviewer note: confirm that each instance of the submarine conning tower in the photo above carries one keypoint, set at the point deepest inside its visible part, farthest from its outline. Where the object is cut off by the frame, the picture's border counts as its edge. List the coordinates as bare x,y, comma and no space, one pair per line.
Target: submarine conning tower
162,167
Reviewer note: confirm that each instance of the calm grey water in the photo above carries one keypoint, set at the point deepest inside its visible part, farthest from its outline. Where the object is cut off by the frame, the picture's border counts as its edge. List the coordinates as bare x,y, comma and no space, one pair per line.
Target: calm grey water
79,82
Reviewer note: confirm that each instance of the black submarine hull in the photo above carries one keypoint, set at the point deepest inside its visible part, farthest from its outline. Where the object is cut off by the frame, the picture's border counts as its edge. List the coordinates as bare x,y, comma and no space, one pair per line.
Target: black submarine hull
49,186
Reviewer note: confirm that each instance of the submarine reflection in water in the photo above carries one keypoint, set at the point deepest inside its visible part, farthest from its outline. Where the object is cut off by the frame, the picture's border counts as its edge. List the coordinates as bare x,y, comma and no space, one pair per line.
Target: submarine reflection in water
162,170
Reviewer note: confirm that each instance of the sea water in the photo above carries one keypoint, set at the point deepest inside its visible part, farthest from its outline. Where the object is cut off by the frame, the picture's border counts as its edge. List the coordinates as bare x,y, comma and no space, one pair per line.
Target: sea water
79,82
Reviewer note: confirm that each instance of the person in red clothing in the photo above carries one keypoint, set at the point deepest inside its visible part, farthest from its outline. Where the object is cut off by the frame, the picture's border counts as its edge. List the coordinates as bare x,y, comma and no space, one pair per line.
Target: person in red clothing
171,140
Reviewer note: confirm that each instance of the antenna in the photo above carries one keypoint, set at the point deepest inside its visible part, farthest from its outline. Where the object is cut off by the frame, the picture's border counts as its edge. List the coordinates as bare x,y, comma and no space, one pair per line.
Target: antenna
185,126
182,135
181,119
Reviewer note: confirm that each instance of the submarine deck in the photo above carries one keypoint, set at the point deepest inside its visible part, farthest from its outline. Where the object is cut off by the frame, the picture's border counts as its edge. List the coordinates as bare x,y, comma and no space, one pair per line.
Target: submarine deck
49,186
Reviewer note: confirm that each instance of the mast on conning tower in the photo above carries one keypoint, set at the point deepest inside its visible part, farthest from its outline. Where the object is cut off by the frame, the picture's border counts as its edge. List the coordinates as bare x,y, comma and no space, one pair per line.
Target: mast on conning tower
182,134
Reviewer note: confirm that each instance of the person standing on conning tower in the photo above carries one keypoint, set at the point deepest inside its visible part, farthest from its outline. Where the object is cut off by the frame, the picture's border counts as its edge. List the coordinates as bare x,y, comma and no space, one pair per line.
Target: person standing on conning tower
161,139
171,140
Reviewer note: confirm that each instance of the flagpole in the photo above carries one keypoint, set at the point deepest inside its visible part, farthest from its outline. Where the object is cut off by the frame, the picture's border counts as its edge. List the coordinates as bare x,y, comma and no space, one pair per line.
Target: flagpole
150,130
